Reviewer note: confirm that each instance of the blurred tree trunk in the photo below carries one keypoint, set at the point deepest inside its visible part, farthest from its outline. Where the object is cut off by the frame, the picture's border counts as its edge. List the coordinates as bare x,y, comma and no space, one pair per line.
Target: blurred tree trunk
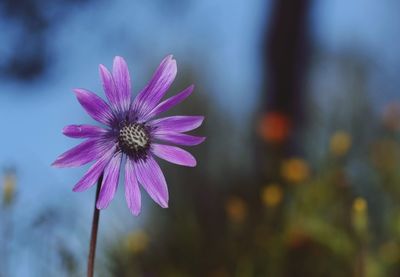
286,54
286,58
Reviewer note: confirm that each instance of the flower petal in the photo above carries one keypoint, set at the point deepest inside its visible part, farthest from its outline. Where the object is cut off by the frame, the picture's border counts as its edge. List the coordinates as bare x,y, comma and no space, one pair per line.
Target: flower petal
178,138
132,191
122,82
95,106
83,131
176,123
94,172
151,95
109,88
152,179
173,154
170,102
110,181
83,153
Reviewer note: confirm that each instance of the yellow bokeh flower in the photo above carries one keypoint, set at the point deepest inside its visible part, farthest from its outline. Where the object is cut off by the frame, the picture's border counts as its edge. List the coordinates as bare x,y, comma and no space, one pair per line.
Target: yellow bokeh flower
236,209
9,185
359,205
272,195
360,216
295,170
340,143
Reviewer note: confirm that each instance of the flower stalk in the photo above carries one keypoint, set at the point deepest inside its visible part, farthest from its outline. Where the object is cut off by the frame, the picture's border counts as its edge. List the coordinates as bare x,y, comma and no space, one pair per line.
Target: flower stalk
93,235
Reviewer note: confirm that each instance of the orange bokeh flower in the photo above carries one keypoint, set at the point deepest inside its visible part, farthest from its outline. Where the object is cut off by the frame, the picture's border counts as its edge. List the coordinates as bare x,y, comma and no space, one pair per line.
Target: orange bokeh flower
274,127
236,209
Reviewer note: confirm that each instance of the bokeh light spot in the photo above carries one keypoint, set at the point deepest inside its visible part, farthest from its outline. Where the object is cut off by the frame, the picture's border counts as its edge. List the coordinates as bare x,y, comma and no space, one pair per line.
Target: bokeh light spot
236,209
274,127
295,170
340,143
359,205
272,195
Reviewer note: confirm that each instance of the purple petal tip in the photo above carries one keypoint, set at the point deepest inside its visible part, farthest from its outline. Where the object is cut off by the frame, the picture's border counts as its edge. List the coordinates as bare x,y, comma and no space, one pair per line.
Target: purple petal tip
119,58
164,205
135,213
101,206
57,164
77,91
66,129
102,69
202,139
170,59
75,189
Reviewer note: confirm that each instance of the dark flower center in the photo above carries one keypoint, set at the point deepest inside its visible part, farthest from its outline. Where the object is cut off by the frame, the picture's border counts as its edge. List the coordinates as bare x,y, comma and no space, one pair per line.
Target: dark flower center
134,140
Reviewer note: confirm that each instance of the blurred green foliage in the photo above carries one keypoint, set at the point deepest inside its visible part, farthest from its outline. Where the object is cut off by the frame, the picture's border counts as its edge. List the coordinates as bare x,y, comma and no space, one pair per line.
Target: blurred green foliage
335,215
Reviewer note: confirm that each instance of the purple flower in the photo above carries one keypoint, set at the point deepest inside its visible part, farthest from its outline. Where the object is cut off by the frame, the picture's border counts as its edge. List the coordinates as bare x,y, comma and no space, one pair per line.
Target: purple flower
131,137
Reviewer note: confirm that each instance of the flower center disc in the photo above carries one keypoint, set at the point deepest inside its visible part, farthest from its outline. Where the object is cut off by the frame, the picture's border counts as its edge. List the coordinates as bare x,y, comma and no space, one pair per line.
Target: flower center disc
133,139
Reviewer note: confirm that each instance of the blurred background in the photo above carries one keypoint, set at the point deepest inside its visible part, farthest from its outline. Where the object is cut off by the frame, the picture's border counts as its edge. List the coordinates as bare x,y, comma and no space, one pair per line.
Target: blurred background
299,175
